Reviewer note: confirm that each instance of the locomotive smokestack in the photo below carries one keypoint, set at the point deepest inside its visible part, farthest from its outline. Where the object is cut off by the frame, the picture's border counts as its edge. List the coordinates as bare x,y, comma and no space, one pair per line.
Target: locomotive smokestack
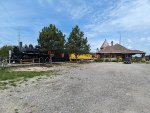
20,45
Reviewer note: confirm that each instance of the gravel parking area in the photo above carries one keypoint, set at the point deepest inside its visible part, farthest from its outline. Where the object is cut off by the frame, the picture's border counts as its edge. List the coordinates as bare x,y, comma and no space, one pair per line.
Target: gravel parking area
86,88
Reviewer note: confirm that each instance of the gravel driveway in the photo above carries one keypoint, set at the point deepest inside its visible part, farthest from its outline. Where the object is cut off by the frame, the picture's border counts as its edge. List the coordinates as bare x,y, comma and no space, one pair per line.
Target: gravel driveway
87,88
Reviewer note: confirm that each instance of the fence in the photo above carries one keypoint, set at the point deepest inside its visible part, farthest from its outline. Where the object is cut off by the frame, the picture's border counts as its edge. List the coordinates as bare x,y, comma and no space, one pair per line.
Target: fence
23,62
32,61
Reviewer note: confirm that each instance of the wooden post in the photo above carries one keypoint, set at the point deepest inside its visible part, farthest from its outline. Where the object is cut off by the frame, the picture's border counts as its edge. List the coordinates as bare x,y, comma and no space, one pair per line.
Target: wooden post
143,56
110,56
39,60
50,59
20,61
32,60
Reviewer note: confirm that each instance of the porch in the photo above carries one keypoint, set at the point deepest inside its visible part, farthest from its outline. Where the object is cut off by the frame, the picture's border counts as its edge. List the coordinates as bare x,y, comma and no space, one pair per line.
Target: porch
118,56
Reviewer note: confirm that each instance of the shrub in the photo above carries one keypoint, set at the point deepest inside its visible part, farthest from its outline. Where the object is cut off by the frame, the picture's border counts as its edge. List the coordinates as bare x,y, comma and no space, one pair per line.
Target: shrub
107,60
147,62
114,60
143,61
119,60
98,60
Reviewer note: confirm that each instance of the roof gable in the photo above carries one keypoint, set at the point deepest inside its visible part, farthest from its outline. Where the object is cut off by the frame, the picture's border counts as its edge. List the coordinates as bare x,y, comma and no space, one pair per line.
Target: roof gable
104,45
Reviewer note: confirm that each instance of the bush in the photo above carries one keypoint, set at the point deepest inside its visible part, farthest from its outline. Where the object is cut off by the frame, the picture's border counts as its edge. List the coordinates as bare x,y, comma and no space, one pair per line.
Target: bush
4,51
107,60
147,62
98,60
143,61
119,60
114,60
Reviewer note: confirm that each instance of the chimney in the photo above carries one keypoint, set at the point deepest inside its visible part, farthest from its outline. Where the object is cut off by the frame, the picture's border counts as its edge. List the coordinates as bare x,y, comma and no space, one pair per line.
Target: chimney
112,43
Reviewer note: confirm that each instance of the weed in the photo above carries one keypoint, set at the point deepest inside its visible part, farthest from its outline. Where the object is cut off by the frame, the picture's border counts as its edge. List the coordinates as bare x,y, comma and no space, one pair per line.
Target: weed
16,111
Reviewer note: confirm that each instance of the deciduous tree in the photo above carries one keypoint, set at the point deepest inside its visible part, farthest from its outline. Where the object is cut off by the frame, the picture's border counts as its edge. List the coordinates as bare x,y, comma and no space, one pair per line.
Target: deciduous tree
4,51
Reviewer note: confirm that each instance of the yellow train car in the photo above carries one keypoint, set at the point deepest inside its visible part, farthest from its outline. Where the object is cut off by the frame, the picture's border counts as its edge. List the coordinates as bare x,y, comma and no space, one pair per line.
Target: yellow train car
82,57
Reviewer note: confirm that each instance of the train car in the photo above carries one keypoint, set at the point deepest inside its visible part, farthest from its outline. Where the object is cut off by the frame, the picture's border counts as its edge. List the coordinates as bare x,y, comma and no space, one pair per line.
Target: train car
83,57
37,54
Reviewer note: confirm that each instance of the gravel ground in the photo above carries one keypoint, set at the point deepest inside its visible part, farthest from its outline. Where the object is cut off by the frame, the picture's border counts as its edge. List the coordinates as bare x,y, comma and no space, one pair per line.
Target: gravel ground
87,88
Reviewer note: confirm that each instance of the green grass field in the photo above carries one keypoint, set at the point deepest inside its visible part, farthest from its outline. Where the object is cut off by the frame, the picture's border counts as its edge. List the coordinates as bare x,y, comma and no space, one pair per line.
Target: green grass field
10,77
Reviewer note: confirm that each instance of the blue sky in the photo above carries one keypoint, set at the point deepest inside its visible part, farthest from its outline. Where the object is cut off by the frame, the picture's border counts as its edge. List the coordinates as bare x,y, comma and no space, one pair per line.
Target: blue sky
99,19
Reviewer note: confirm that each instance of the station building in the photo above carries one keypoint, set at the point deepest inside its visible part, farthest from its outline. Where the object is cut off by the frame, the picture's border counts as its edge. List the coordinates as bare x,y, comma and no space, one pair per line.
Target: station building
117,51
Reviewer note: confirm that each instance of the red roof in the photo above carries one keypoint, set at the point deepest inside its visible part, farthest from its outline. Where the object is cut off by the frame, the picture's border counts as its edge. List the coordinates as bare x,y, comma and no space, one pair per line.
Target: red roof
117,48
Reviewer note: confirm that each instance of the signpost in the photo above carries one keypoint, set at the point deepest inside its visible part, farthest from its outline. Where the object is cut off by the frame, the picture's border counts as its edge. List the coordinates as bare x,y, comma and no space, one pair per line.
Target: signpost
10,52
51,54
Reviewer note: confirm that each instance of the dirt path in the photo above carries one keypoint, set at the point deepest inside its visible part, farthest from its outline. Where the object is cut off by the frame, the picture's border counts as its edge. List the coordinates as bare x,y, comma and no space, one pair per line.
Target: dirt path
87,88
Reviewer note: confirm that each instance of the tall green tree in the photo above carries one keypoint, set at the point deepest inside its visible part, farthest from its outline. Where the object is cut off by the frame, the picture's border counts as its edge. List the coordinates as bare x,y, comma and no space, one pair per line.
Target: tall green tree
4,51
50,38
77,42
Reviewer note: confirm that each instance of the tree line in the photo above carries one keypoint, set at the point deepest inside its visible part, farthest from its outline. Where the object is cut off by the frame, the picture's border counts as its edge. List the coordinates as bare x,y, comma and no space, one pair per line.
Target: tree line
52,39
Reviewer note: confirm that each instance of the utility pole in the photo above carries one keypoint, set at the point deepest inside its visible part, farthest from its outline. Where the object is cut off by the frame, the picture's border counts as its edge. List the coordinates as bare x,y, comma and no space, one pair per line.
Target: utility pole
18,35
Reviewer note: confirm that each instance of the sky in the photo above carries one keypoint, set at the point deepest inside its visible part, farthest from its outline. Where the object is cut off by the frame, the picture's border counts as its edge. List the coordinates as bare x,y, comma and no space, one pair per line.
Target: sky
98,19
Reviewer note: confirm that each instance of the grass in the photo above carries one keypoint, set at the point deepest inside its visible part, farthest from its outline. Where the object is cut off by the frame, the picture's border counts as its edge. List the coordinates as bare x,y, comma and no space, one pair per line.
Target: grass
10,77
148,62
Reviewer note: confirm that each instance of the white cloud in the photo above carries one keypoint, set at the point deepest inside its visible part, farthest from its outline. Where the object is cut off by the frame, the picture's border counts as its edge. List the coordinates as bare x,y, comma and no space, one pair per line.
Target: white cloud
133,16
75,9
145,39
100,19
95,44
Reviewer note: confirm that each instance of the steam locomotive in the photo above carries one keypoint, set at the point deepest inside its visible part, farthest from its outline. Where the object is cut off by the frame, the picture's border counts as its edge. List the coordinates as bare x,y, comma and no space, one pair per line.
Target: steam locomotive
30,52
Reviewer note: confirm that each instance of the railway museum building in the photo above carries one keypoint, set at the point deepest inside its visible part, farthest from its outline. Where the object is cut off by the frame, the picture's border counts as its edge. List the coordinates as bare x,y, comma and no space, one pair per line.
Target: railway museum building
116,52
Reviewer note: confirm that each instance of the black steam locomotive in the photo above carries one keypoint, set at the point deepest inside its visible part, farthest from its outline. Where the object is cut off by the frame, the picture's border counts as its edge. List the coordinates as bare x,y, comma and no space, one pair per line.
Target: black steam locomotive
40,55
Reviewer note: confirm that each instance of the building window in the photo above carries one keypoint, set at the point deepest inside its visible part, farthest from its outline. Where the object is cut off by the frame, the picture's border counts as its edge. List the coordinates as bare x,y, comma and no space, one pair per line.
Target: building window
106,56
113,55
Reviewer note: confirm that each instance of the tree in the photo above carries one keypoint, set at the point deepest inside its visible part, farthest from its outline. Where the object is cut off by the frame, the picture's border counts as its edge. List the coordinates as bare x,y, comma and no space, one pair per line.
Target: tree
50,38
77,43
4,51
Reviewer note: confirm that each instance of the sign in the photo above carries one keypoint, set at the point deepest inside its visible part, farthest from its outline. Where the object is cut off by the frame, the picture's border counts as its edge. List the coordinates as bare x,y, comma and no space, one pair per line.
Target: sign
62,55
50,52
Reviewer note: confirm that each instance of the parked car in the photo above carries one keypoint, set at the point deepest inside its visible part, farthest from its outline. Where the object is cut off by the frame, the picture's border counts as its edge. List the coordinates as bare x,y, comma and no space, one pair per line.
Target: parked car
127,61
